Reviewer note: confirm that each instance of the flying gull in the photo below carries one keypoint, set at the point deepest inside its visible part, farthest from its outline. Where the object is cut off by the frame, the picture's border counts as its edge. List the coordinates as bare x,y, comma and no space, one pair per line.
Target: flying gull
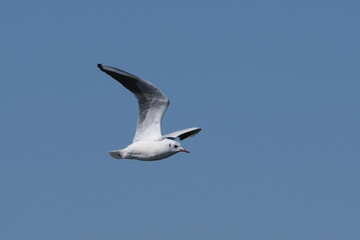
148,144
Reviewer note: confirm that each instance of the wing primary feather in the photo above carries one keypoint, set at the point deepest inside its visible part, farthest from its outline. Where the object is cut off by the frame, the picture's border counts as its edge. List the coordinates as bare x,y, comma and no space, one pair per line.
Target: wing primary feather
183,134
152,102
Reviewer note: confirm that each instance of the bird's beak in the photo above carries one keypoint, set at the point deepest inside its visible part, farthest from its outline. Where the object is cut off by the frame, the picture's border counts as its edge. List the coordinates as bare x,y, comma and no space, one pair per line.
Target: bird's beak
184,150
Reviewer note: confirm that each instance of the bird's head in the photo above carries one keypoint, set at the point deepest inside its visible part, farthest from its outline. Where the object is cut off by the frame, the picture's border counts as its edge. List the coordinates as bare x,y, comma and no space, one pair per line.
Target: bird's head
176,147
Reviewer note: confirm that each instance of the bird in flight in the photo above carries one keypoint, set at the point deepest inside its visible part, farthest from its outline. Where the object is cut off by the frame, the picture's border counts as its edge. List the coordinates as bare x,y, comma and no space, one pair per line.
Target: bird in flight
148,143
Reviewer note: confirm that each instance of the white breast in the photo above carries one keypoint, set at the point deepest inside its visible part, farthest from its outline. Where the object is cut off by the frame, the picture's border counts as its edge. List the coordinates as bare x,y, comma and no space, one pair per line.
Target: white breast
148,150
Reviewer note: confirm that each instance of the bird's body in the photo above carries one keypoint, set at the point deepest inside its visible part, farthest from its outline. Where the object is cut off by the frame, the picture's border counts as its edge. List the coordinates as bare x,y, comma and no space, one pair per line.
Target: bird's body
148,144
147,150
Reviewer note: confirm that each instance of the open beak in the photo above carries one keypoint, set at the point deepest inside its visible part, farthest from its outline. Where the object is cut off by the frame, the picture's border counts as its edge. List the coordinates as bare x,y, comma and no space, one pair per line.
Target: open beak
184,150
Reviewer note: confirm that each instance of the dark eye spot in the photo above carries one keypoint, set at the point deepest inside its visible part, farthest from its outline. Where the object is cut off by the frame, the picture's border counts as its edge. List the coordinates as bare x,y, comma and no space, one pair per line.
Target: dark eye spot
169,144
176,146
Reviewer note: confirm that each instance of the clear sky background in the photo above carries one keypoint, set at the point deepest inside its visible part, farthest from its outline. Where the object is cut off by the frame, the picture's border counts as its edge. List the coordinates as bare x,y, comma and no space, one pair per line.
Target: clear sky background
274,85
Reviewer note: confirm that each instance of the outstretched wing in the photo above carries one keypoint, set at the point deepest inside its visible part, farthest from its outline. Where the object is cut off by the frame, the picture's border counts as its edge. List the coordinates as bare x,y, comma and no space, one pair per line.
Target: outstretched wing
152,103
183,134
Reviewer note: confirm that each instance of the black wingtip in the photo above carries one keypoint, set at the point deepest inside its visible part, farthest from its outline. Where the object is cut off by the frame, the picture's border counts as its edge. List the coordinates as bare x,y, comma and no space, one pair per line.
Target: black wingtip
189,134
100,66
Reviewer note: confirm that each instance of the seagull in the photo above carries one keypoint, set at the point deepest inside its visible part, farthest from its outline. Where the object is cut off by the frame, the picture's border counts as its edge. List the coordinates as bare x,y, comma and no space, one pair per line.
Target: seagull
148,143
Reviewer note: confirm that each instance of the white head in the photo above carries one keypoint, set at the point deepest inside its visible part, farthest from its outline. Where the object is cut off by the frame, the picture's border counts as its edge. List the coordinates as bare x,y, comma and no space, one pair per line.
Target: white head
175,147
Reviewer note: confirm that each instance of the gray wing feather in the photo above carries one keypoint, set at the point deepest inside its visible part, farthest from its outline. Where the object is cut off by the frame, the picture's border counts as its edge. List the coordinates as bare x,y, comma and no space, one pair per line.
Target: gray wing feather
183,134
152,103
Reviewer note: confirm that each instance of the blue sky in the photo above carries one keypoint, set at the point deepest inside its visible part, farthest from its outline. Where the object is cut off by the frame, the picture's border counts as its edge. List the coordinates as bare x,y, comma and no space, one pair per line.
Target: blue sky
274,85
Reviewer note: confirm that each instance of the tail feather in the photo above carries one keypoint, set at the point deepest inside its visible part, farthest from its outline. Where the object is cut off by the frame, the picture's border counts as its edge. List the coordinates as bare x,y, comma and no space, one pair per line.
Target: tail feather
116,154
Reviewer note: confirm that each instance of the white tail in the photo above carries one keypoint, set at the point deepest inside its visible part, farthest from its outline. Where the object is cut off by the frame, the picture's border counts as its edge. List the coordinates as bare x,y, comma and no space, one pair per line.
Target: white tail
116,154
